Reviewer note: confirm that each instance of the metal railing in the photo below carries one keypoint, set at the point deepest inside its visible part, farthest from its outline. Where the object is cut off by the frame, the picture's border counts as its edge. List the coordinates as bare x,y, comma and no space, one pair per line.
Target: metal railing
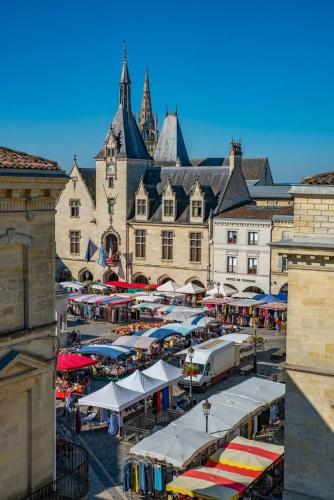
72,474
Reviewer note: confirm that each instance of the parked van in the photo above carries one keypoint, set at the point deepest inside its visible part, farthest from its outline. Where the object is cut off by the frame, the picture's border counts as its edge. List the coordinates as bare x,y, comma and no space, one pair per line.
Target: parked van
213,360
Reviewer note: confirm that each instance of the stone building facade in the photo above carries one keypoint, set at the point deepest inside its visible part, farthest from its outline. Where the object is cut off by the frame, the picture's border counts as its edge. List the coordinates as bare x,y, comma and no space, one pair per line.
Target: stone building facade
309,424
241,237
29,188
136,202
282,229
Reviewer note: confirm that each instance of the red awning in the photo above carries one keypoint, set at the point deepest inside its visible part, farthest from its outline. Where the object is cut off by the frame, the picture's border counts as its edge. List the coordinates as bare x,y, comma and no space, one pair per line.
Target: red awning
67,362
124,284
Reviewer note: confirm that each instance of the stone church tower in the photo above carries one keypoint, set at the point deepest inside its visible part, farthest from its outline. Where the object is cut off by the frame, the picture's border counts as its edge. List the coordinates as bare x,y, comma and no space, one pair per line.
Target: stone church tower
148,125
120,164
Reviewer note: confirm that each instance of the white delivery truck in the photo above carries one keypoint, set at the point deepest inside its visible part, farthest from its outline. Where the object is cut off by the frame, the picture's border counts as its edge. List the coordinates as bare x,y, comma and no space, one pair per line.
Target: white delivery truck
214,360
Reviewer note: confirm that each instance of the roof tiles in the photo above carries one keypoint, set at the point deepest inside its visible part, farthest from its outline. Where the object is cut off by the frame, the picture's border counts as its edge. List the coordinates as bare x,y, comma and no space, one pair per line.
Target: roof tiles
12,159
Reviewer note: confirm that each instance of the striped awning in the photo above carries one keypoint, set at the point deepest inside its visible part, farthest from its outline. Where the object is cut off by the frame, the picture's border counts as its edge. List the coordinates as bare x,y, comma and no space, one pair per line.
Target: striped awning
229,471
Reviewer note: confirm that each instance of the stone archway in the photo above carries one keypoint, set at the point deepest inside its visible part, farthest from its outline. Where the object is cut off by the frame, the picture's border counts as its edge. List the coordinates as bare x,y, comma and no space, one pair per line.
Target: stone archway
284,288
140,278
231,286
85,275
196,282
110,276
164,279
253,289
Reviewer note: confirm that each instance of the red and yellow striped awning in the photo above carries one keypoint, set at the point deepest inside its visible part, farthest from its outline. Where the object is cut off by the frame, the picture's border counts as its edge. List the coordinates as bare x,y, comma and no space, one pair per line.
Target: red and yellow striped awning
229,471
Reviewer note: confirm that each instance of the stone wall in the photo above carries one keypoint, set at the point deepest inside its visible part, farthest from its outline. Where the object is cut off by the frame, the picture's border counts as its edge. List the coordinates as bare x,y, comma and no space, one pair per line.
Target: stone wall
27,331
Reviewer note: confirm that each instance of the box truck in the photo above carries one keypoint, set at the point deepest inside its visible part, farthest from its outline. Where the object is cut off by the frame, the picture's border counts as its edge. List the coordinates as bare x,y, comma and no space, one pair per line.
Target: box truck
213,360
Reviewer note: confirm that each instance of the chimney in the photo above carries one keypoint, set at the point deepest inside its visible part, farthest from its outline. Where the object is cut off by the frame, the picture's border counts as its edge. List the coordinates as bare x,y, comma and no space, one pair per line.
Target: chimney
235,155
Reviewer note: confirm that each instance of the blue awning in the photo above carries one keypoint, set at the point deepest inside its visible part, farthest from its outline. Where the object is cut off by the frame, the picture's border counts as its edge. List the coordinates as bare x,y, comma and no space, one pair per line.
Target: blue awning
114,352
168,330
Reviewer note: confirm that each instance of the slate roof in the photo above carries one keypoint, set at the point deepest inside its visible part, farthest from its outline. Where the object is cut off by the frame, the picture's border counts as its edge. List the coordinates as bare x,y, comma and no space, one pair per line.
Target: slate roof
326,178
12,159
275,191
171,146
213,182
89,178
125,127
207,162
252,168
255,212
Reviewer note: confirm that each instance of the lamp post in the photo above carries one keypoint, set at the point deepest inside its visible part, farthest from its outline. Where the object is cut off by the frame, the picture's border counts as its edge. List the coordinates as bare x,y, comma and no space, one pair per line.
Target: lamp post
255,350
218,286
206,410
191,357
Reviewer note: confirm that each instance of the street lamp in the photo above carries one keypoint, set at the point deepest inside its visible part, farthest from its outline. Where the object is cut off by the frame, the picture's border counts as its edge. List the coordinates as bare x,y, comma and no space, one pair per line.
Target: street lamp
191,357
206,410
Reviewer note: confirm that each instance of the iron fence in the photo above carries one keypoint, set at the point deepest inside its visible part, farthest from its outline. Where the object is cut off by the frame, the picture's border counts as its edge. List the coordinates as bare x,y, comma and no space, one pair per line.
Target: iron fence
72,474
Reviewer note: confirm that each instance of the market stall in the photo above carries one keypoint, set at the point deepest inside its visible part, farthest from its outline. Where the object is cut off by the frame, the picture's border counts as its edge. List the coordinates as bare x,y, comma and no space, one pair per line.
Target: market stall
110,308
233,471
244,409
68,381
272,315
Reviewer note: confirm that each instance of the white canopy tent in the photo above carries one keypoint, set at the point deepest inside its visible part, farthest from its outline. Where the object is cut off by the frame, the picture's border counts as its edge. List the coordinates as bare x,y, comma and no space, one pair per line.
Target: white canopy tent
224,290
238,338
148,305
229,409
169,286
181,315
134,341
117,396
190,289
101,287
244,295
72,285
112,397
180,445
147,298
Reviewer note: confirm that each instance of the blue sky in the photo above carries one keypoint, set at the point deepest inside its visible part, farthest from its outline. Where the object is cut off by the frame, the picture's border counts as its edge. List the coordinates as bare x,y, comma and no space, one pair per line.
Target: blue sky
262,71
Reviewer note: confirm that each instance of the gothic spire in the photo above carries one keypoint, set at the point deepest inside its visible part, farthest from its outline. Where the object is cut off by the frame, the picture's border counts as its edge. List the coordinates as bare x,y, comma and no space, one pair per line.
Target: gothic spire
125,83
146,122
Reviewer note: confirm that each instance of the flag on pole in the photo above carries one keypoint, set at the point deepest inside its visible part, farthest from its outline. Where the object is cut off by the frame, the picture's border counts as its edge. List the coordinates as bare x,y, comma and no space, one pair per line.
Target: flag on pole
102,260
91,249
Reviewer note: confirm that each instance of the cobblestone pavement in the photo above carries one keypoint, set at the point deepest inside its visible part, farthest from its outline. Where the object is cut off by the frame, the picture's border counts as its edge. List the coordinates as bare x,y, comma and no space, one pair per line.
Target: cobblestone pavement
107,453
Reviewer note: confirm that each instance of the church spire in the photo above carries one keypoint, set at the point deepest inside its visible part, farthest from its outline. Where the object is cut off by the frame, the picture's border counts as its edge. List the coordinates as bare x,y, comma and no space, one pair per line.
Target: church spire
146,122
125,83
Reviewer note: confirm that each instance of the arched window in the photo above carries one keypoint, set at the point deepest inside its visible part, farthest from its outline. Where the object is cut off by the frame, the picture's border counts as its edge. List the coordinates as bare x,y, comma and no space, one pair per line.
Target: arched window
111,243
85,275
140,278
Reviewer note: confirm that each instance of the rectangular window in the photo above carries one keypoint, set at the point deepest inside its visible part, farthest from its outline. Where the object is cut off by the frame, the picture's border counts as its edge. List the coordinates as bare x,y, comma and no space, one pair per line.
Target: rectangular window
75,242
253,238
195,247
196,208
110,182
282,264
286,235
231,264
140,243
74,208
167,245
252,265
232,237
168,208
141,207
111,206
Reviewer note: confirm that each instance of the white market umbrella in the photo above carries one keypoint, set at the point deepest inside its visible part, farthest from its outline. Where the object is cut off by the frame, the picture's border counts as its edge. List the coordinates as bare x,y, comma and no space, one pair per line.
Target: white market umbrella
224,290
190,289
169,286
72,285
244,295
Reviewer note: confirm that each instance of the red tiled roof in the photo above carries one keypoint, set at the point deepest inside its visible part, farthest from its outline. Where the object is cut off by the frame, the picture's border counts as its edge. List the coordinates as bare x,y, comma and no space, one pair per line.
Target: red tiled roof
24,161
255,212
326,178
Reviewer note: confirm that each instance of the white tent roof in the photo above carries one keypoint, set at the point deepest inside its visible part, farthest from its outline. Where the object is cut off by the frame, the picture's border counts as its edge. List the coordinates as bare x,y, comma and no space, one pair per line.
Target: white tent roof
238,338
147,298
244,295
164,371
169,286
191,289
179,315
263,391
73,285
101,287
111,396
140,382
229,408
222,290
134,341
176,445
245,302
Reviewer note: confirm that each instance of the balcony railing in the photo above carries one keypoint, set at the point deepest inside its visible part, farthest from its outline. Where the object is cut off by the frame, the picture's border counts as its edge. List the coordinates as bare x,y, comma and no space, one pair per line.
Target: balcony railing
72,474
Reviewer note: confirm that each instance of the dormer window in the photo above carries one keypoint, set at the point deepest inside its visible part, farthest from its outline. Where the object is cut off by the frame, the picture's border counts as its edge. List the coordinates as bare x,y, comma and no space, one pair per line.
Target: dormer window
169,208
141,206
197,208
111,152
